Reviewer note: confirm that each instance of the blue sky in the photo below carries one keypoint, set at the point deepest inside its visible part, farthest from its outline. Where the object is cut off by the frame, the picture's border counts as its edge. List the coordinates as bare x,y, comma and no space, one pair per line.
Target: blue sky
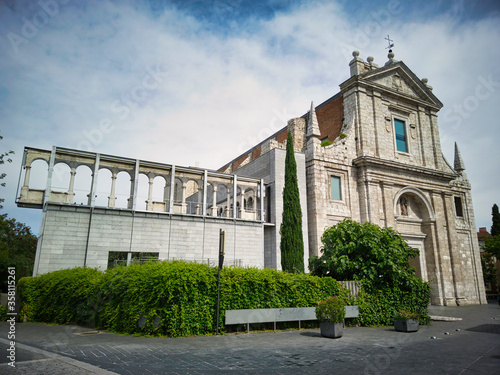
196,83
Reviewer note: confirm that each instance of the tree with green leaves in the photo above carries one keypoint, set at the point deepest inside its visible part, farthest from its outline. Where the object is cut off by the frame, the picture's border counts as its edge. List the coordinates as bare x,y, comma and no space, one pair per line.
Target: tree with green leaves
489,268
495,217
17,249
379,259
354,251
292,243
492,244
4,157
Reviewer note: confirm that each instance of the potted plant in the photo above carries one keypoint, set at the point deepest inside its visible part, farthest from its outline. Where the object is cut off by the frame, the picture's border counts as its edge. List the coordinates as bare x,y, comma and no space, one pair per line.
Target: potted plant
331,312
406,321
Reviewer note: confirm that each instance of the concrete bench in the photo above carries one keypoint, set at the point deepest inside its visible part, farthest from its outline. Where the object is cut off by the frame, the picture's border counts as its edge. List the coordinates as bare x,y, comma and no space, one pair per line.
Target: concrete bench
247,316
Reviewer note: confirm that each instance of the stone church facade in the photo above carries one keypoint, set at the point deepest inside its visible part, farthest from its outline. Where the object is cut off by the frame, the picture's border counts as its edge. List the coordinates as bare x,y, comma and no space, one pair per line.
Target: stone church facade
372,153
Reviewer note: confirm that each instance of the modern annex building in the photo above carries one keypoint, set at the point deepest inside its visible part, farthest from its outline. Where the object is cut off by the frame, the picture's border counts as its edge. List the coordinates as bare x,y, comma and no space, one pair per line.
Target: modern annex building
370,153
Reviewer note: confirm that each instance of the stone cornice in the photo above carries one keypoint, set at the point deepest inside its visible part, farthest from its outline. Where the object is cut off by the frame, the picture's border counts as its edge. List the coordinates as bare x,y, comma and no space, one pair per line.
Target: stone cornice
365,81
390,165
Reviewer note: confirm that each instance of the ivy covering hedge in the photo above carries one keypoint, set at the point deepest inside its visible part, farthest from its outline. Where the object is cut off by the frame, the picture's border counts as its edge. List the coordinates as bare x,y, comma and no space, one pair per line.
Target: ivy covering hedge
178,298
169,298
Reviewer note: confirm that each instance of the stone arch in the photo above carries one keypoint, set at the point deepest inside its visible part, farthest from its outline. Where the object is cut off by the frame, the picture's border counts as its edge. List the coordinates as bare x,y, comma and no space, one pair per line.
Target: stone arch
103,188
178,190
414,219
142,191
249,204
159,184
423,203
83,182
38,174
210,194
194,197
222,200
123,189
61,175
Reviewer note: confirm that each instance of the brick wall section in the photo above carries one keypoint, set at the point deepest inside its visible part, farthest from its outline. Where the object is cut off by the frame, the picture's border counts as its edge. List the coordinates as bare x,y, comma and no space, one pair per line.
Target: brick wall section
330,118
256,152
281,137
238,161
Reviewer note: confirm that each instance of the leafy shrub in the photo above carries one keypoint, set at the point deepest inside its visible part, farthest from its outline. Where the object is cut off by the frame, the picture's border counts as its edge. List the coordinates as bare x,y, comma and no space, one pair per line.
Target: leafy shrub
331,309
169,298
326,142
59,296
3,314
379,257
406,315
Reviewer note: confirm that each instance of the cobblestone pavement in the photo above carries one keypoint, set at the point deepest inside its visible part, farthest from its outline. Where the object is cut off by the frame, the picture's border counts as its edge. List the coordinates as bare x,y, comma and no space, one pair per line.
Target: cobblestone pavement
472,346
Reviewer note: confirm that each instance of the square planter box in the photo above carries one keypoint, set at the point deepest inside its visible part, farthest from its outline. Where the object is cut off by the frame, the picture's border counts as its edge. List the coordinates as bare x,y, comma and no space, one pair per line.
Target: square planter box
402,325
332,330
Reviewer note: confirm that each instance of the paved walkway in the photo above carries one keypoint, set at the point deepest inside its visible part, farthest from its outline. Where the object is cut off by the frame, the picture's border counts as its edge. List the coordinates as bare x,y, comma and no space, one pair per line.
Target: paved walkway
471,347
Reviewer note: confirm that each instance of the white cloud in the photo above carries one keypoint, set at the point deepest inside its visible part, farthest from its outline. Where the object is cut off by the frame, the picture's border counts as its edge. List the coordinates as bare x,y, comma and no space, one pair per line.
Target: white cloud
221,93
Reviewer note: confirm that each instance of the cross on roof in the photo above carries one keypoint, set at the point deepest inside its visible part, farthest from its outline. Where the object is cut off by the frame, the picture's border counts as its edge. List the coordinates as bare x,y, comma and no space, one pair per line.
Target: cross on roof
390,42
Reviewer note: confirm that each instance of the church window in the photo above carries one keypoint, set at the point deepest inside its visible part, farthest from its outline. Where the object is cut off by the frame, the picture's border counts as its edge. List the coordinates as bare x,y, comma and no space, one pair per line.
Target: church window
401,139
336,192
458,207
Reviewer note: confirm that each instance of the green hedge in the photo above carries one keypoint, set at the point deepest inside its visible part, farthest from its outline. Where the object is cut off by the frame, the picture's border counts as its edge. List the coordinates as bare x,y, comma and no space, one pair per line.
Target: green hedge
169,298
59,296
179,298
377,307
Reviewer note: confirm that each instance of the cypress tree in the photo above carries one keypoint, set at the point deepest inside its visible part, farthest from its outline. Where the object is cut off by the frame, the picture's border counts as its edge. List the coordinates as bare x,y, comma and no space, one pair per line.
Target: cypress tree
292,244
495,228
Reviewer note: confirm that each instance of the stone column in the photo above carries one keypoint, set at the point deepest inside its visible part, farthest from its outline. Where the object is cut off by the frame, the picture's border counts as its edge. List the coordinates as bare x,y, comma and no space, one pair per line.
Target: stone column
242,204
131,199
456,270
166,195
25,188
71,194
183,198
112,196
228,208
388,199
205,199
149,202
235,196
214,201
261,201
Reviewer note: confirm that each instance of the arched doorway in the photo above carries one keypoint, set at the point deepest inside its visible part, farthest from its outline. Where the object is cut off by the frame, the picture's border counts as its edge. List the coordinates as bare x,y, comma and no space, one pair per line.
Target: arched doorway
414,218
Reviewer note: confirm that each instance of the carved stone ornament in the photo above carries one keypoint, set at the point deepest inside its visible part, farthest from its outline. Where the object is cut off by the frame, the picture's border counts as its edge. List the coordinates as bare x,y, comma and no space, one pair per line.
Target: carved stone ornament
388,122
413,131
396,82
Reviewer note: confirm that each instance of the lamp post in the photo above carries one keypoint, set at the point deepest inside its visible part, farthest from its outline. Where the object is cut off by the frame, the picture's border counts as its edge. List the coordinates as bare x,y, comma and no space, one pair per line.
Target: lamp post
222,242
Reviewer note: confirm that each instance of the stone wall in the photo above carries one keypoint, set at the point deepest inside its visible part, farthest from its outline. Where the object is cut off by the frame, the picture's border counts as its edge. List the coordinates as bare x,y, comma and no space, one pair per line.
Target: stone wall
271,166
193,238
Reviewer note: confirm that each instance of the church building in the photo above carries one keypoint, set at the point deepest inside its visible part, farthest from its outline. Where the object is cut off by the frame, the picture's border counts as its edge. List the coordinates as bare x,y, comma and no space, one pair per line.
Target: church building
372,153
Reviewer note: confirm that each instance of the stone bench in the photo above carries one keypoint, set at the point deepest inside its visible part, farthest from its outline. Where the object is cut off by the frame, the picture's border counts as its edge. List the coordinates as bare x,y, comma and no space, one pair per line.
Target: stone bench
247,316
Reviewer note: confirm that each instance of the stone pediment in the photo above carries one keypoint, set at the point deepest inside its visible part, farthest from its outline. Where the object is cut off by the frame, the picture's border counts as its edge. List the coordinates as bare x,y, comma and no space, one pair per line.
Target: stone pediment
397,77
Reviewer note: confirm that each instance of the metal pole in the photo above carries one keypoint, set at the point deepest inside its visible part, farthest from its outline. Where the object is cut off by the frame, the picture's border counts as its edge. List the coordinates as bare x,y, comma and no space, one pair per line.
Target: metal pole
222,241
